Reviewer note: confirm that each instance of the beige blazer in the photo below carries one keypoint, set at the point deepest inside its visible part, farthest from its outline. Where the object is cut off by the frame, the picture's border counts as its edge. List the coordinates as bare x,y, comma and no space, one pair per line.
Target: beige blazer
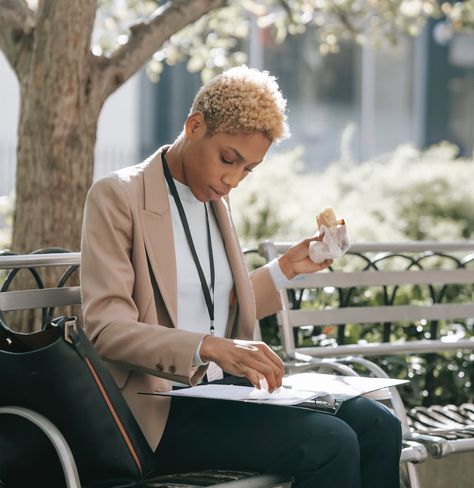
128,284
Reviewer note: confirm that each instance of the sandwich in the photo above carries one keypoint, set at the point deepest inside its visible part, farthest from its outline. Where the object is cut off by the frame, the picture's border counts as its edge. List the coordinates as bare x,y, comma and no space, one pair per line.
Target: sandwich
328,218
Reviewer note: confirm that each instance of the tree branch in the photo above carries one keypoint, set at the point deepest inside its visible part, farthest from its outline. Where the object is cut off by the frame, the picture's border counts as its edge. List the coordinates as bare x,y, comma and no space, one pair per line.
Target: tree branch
17,22
147,37
61,58
346,22
286,7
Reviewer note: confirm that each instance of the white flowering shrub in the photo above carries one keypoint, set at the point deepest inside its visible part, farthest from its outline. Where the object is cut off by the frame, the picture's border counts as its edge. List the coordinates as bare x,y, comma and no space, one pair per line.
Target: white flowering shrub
407,194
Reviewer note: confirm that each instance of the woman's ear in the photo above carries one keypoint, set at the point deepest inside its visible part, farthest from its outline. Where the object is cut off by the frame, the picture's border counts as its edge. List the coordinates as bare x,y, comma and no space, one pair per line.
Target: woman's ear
195,125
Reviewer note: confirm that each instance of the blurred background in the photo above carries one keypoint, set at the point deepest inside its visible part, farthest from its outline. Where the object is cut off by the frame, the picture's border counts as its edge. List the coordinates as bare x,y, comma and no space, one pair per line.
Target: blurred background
353,106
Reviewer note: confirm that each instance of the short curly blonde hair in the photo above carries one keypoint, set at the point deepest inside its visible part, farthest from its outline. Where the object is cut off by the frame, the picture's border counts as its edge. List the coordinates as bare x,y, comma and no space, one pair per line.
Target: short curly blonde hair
243,100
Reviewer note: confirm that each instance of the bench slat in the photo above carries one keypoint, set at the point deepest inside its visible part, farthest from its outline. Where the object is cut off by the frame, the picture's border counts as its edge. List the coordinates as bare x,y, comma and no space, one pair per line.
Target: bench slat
382,348
37,260
378,278
268,247
41,298
392,313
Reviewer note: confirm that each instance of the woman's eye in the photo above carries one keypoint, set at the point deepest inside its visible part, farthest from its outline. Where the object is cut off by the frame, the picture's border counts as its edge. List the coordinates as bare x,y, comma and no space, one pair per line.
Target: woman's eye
226,161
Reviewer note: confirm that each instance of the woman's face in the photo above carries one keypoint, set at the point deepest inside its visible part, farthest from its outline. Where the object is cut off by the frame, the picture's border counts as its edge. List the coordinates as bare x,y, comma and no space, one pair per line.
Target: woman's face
214,164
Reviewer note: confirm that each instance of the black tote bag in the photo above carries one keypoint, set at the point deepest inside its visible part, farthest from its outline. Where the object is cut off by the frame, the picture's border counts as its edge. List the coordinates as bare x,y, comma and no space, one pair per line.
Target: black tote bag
57,373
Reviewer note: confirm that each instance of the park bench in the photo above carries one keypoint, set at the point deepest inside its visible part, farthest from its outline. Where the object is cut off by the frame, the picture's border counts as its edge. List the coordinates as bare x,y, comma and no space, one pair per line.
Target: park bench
63,295
47,299
443,430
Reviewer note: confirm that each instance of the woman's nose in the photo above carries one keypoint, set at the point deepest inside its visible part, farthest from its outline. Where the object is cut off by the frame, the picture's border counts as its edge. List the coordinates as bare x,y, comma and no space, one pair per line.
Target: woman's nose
232,178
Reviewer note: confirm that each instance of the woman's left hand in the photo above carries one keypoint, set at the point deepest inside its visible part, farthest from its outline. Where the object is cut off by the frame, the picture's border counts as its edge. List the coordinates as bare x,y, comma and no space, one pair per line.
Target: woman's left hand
296,260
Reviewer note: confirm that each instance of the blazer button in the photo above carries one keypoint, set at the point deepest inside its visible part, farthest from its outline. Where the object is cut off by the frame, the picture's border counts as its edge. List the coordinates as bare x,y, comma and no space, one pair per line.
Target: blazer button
159,367
172,369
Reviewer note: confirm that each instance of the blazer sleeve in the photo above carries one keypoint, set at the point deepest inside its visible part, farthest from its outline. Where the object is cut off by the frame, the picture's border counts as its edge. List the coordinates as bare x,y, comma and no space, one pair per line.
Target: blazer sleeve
267,297
111,316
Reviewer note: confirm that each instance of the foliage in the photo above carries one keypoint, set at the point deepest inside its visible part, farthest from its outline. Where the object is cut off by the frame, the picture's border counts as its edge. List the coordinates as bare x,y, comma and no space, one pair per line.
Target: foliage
215,41
404,195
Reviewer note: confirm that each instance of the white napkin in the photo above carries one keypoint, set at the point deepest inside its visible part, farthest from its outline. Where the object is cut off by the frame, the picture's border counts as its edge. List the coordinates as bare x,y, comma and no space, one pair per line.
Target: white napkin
335,243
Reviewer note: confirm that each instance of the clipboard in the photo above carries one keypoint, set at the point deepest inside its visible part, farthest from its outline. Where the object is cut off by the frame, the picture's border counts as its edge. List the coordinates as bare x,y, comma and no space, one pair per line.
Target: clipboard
314,391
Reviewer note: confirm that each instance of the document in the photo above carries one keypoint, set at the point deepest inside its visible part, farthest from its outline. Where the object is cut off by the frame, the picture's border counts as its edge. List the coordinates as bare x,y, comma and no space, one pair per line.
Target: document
341,387
316,391
282,396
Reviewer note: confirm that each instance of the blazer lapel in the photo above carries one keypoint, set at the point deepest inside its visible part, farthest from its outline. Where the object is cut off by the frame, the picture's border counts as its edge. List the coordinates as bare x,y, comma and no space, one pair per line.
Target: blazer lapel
158,233
243,286
159,242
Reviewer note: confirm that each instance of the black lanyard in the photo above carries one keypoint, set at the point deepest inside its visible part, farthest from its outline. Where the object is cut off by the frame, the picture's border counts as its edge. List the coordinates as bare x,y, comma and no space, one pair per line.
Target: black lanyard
205,289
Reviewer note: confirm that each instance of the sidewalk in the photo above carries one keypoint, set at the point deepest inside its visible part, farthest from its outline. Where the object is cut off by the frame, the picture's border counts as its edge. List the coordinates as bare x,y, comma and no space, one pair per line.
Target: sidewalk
450,472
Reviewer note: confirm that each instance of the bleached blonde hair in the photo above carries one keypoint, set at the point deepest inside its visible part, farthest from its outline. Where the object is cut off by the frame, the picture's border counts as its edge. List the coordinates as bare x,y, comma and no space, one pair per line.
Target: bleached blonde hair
243,100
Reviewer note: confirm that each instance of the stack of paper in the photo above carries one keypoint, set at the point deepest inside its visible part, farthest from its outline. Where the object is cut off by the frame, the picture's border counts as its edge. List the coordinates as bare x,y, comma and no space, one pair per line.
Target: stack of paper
343,387
282,396
320,391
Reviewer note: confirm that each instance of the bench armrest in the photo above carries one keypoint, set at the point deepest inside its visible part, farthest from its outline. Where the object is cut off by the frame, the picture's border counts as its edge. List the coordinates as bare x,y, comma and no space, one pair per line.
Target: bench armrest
54,435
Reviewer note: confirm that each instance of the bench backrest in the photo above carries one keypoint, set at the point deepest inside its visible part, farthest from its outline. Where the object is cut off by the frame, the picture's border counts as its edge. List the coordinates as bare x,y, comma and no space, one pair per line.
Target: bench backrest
45,298
290,318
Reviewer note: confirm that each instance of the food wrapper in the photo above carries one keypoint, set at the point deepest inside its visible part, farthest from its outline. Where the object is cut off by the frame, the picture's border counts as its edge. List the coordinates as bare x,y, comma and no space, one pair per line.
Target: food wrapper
335,243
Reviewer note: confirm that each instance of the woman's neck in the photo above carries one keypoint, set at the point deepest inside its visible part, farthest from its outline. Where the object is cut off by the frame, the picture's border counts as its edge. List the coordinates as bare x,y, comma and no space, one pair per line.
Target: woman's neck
174,158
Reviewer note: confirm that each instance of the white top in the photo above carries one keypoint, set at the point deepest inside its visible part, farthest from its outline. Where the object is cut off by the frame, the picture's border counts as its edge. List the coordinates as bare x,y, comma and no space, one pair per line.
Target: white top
192,309
192,313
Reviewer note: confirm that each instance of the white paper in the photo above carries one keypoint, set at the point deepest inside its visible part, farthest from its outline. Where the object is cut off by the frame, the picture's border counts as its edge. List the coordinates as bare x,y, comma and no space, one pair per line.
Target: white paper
297,388
341,387
281,396
383,394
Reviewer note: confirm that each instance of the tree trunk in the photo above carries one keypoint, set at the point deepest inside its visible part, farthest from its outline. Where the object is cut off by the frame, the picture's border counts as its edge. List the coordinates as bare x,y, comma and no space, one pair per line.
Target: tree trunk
54,171
56,137
57,130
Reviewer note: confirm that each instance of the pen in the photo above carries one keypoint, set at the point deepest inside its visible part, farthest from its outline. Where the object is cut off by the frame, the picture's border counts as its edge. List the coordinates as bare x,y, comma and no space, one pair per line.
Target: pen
316,393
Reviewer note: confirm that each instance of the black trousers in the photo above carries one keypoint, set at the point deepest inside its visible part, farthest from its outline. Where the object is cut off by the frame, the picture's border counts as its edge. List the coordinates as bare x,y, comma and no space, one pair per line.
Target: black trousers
357,448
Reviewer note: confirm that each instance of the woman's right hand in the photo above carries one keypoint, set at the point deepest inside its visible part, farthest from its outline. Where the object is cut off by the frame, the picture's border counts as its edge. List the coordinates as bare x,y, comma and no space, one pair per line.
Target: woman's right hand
252,359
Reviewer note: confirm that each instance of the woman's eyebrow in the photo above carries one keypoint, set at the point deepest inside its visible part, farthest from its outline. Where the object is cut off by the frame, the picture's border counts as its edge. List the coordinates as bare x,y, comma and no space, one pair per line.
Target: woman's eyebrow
239,156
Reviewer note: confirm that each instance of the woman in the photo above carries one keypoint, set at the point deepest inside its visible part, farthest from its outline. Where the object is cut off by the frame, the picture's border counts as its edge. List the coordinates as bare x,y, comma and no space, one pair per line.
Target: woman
166,297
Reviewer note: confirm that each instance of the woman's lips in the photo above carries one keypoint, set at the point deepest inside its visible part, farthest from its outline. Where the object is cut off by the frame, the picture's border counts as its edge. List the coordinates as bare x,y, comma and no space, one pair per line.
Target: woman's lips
216,194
